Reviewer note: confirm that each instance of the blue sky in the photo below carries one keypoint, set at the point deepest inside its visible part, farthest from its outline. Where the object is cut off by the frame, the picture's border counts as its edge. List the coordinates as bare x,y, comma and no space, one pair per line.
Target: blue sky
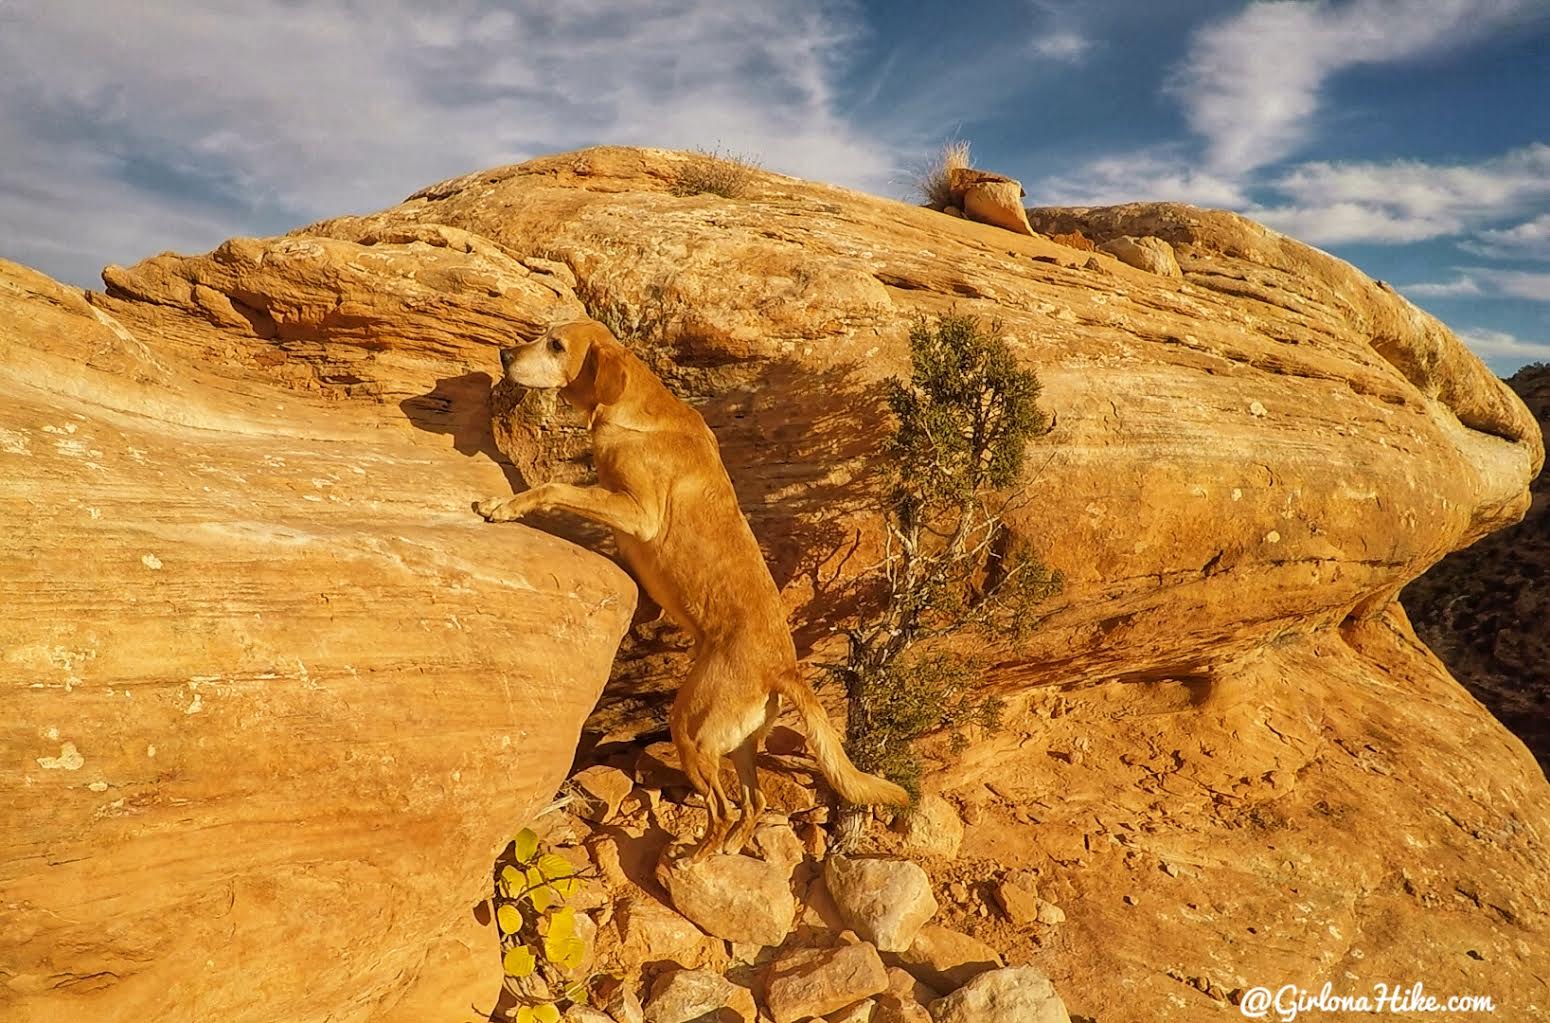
1411,137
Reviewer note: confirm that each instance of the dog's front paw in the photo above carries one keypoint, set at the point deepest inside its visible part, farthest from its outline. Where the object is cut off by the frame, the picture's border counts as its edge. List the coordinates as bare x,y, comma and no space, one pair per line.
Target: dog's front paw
495,510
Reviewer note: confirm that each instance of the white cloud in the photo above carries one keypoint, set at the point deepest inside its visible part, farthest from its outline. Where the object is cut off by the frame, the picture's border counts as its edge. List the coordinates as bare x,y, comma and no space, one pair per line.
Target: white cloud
1528,240
1458,287
1502,346
1156,175
184,124
1406,200
1250,83
1521,284
1483,282
1062,45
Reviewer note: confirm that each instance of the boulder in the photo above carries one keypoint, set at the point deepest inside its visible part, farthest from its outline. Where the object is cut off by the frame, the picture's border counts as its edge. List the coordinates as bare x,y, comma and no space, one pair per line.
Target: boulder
815,982
884,901
271,733
1019,903
698,996
1016,994
932,828
989,198
1150,254
598,791
649,931
946,959
737,898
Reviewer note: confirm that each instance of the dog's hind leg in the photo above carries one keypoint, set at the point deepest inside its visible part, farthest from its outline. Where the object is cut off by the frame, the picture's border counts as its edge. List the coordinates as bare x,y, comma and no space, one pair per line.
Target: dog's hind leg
746,758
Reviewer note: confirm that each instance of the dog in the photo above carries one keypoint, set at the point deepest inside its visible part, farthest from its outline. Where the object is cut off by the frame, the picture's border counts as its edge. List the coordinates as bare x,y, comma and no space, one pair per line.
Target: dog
663,490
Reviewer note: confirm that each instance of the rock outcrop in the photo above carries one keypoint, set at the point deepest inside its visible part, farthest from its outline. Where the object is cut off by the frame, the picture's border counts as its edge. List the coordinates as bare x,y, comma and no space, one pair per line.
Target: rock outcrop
1249,461
271,698
1484,609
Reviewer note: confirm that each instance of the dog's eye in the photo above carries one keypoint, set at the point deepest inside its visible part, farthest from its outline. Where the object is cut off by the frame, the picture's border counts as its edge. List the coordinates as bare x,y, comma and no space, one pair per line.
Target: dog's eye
556,345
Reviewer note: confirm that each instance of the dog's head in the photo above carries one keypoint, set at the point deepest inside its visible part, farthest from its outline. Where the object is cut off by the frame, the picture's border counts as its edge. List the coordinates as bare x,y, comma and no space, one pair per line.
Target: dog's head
581,357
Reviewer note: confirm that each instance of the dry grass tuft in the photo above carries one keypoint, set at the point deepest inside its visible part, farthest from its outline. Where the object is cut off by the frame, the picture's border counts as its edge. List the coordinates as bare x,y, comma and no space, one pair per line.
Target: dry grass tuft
933,183
725,174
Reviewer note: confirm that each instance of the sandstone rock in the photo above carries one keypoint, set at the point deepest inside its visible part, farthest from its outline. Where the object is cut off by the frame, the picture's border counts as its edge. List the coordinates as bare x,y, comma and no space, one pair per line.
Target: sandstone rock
1016,994
1050,914
1150,254
619,1001
649,930
907,986
891,1009
296,699
815,982
989,198
1385,443
1074,240
657,767
698,996
1020,904
885,901
932,828
997,203
861,1012
778,844
946,959
599,791
737,898
583,1014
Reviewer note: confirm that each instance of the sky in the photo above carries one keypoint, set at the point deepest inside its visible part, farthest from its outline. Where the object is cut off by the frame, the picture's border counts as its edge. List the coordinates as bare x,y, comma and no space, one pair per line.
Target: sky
1410,137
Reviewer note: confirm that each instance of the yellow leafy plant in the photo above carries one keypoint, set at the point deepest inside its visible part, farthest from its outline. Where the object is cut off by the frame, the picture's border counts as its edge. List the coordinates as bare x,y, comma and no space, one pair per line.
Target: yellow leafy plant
542,943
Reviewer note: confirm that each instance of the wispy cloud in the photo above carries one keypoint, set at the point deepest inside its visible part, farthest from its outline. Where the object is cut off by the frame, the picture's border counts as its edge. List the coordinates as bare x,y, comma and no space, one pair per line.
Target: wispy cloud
177,126
1528,240
1407,200
1155,175
1501,346
1062,45
1250,84
1482,282
1461,286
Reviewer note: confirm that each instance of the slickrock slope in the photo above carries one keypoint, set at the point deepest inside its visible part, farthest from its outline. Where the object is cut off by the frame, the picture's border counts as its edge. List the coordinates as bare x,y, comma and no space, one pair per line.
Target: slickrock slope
270,696
1485,610
1249,462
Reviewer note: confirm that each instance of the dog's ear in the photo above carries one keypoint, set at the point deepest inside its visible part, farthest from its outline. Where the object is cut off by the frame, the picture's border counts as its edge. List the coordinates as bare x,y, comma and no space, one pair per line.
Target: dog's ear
605,366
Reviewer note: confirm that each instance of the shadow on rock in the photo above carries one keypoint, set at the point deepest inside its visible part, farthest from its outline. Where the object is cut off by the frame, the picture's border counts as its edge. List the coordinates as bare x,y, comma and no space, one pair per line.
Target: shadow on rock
460,408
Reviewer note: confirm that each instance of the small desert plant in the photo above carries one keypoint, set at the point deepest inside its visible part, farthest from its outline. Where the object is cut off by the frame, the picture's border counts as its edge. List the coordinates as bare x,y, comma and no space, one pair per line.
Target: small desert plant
934,182
725,174
541,945
965,417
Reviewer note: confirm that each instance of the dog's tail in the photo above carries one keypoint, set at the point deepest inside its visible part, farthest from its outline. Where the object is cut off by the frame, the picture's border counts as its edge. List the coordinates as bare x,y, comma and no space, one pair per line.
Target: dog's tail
853,785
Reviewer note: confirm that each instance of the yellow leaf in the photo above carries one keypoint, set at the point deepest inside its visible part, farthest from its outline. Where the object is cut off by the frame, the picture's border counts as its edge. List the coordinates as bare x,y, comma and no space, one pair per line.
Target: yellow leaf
513,881
509,918
525,1014
542,895
546,1013
519,962
526,844
562,945
560,873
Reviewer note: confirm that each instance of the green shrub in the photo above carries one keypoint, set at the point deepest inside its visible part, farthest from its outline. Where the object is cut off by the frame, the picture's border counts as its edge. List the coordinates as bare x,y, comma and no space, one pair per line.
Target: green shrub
725,174
965,418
